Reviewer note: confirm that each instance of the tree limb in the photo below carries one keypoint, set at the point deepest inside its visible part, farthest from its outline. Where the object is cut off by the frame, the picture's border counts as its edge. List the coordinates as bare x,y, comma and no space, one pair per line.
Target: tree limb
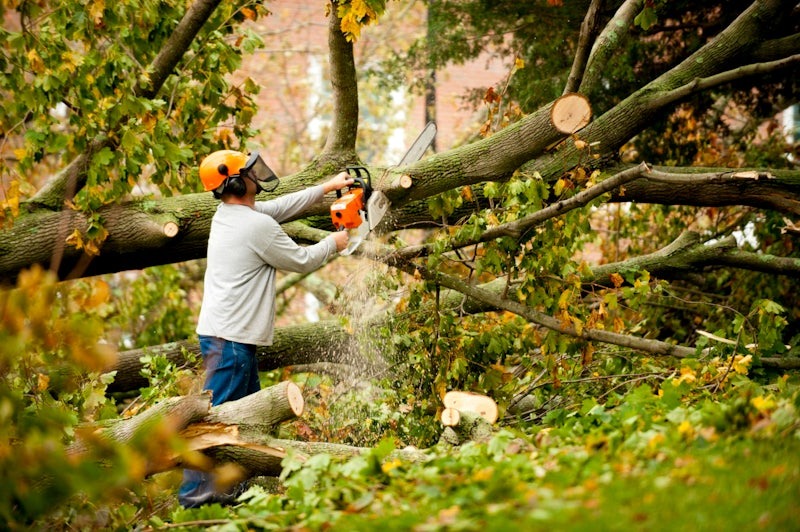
742,72
619,124
610,40
341,142
588,31
516,228
777,190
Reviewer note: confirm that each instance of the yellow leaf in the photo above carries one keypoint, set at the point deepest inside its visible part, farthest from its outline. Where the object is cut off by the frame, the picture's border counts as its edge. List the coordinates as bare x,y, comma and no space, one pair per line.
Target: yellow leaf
483,474
763,404
228,474
466,193
559,188
91,248
96,11
249,14
577,323
742,363
36,63
563,300
617,280
75,239
687,375
359,9
68,62
655,441
11,202
149,121
351,28
100,294
519,63
391,464
685,429
564,318
42,381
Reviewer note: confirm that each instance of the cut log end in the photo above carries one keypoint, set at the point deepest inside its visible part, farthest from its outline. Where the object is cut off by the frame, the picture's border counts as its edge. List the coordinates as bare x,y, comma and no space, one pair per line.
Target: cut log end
170,229
473,402
295,398
570,113
406,181
450,417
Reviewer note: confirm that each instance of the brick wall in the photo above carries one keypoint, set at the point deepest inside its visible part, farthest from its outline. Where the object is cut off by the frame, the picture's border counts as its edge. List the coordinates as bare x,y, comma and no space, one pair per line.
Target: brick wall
292,69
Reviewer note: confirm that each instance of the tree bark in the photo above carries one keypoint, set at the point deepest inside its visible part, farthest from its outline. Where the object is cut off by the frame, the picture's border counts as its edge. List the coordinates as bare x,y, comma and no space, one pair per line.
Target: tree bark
777,190
495,158
236,431
469,426
325,341
341,142
613,37
588,30
328,341
235,423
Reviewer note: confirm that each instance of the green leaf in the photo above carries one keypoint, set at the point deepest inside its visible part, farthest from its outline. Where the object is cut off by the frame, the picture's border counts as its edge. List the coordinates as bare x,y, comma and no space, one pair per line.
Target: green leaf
646,19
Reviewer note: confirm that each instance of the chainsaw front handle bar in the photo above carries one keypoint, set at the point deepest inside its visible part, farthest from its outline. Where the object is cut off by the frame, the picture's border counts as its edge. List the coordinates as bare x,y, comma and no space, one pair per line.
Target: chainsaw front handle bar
358,173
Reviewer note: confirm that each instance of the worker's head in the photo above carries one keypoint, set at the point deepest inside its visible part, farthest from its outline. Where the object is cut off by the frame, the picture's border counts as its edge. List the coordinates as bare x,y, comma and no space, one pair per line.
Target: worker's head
225,171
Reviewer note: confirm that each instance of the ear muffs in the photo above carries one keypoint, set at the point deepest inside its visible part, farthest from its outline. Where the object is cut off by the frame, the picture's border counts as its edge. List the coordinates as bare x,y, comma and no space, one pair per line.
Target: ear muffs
235,185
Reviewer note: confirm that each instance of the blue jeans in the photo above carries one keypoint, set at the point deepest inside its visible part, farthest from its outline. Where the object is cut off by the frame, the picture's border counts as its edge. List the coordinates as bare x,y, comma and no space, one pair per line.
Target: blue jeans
231,373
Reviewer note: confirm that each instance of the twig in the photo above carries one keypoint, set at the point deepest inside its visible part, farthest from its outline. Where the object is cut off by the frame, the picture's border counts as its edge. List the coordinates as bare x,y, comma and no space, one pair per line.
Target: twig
199,522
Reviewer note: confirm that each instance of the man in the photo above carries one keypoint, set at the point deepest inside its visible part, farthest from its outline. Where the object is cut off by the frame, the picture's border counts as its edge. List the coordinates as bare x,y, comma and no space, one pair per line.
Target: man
246,245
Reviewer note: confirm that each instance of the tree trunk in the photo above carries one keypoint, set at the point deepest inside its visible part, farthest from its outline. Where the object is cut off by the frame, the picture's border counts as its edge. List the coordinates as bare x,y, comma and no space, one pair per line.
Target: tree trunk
308,343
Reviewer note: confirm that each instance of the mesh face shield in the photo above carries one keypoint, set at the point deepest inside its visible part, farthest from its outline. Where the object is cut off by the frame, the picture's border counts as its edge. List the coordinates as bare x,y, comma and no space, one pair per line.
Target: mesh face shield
262,175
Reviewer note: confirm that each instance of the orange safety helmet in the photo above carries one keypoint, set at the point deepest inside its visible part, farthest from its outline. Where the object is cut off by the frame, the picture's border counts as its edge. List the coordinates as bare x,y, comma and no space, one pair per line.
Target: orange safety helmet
219,166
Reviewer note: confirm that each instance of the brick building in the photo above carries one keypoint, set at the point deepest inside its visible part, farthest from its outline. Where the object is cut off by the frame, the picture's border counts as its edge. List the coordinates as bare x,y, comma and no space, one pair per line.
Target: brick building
294,102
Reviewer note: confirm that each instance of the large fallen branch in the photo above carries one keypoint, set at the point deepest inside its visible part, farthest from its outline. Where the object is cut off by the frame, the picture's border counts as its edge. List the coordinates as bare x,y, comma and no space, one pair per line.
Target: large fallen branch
325,341
499,301
329,341
236,431
238,423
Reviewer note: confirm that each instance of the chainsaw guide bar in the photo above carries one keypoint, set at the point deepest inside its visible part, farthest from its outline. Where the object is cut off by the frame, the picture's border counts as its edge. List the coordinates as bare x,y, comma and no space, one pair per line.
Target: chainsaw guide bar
361,209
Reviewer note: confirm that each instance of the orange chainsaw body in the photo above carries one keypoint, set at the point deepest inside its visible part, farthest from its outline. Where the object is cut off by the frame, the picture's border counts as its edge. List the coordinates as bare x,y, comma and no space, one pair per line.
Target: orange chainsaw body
346,210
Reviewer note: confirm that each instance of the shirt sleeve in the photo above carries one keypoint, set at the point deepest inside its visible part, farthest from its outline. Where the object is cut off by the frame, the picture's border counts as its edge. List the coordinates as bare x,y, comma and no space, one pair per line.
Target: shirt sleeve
289,205
283,253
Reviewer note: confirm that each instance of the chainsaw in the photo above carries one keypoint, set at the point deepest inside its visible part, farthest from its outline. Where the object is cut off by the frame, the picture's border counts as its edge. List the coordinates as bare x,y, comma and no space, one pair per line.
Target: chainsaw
362,208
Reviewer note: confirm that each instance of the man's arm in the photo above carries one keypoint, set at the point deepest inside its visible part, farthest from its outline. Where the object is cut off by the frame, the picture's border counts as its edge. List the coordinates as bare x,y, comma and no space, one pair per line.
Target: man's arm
285,254
289,205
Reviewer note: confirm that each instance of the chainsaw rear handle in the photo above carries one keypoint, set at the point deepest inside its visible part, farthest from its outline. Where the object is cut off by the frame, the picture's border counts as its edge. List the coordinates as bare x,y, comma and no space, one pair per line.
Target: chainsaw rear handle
358,173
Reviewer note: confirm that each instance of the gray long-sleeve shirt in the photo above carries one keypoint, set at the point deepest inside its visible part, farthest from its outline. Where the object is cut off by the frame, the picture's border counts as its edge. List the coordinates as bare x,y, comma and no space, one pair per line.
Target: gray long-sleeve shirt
245,247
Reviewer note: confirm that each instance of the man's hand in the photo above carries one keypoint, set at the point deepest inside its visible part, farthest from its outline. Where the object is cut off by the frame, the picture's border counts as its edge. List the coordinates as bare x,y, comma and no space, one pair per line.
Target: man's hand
341,180
341,238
